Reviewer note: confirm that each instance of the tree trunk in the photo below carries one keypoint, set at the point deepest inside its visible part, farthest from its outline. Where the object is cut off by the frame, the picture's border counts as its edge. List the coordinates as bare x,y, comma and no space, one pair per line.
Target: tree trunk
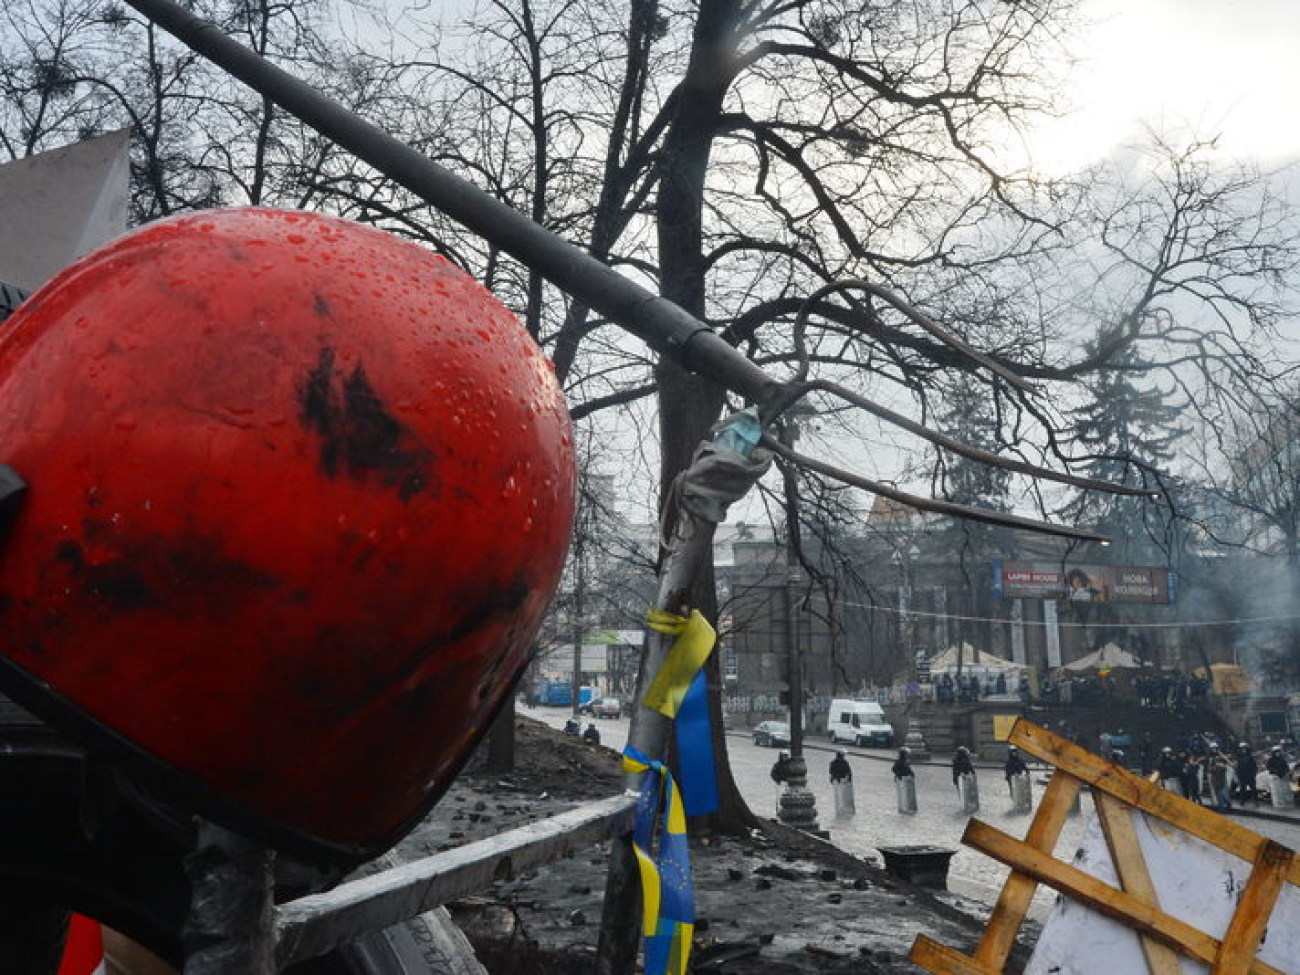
688,404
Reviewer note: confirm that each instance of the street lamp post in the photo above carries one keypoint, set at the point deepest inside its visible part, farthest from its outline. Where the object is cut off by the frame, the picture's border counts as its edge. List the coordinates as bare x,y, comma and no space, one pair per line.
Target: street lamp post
915,738
798,806
579,584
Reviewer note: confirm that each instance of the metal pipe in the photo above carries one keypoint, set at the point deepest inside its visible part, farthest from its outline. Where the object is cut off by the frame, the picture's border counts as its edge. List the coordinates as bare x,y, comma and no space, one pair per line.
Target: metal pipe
659,323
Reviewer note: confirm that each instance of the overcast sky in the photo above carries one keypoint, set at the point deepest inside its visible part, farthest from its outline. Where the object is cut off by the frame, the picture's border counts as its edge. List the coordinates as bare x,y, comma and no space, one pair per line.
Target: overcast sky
1228,67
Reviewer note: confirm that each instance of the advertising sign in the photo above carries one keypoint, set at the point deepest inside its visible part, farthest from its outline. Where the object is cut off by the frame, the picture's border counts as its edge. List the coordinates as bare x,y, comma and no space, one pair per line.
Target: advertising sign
1075,582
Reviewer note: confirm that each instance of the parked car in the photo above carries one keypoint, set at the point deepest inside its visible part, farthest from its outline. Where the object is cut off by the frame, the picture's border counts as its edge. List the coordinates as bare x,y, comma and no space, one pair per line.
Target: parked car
772,734
607,707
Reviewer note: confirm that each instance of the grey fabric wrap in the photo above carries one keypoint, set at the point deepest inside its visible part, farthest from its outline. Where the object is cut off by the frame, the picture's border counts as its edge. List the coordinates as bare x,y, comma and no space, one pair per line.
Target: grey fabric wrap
717,478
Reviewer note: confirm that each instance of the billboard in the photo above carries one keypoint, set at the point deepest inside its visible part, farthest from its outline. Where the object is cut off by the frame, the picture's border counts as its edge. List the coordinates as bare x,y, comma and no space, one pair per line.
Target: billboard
1077,582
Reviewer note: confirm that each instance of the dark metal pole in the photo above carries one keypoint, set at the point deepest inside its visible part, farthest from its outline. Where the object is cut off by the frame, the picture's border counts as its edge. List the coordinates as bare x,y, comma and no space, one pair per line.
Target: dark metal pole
798,806
658,322
579,581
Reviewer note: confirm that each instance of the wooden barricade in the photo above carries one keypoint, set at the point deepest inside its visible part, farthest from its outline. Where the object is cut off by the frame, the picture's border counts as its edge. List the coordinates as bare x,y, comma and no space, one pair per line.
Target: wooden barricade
1134,903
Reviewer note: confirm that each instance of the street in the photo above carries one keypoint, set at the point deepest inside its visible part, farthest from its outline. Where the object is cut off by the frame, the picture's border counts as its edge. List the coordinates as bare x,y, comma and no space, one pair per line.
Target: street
939,820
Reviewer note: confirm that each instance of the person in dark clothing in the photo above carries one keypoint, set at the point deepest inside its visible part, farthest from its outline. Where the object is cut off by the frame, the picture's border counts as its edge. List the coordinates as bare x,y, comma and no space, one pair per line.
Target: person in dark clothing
1015,765
902,765
1190,776
1169,769
591,736
571,727
945,688
842,785
1246,774
1216,774
961,765
1147,753
781,769
781,776
1277,763
905,783
840,770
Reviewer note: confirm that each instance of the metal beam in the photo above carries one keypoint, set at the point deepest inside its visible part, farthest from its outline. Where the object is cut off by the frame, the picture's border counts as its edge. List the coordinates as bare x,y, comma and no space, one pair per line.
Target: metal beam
318,923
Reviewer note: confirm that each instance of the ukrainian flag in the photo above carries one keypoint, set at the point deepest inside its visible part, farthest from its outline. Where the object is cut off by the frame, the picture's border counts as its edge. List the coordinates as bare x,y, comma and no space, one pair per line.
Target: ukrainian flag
664,859
679,692
693,640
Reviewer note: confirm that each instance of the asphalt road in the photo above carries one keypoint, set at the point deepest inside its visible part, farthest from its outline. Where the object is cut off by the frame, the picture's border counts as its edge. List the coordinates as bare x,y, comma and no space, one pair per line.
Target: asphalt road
939,820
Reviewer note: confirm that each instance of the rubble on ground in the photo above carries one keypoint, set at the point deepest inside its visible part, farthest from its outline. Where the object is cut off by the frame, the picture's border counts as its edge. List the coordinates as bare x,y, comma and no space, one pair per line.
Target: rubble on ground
775,901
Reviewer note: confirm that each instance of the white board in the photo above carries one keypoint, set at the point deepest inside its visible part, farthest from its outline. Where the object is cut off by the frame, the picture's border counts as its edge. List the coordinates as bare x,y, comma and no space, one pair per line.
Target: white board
60,204
1197,882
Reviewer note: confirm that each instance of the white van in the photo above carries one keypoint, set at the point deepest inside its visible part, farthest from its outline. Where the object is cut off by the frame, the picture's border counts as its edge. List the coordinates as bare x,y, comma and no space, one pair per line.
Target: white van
858,723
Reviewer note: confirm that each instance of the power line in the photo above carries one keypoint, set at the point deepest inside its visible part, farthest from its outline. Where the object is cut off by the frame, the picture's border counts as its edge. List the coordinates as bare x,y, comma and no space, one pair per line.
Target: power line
877,608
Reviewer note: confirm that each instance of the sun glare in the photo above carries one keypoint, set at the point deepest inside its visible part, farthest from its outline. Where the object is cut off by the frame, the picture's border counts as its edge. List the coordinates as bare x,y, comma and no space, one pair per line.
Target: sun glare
1212,68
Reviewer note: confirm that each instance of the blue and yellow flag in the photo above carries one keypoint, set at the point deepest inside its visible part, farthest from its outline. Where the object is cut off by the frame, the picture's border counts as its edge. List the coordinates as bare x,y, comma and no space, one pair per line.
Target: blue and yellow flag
664,860
680,692
692,643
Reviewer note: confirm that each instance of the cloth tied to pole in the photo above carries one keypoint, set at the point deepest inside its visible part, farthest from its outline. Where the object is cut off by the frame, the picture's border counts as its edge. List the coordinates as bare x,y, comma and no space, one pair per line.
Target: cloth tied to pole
721,472
717,478
663,859
680,693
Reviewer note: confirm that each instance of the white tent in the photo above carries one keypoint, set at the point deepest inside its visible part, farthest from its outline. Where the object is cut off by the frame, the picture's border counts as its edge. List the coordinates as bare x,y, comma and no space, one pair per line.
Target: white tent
972,658
1109,657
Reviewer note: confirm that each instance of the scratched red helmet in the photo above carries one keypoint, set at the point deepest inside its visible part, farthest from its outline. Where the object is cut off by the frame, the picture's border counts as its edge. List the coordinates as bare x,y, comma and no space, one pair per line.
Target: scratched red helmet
299,495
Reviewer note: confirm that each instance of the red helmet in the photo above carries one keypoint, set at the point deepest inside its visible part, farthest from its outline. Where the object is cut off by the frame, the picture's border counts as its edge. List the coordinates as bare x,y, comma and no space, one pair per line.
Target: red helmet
299,495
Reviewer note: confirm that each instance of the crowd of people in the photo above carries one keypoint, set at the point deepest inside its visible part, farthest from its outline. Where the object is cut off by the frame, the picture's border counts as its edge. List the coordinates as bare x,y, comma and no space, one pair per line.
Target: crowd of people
1172,690
1200,769
1209,773
1169,689
965,688
840,773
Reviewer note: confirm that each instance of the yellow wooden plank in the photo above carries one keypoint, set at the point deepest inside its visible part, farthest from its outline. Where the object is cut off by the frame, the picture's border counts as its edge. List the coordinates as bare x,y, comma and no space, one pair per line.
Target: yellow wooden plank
1101,897
1241,940
942,960
1131,867
1135,791
1018,891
